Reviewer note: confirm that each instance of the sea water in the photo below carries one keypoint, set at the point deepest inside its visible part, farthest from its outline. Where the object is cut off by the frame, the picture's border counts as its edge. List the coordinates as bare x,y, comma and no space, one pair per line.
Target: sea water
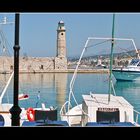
52,89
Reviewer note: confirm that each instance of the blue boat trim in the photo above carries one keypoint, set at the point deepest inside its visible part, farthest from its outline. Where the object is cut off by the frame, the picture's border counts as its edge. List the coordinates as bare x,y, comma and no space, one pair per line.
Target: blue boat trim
125,71
45,123
118,124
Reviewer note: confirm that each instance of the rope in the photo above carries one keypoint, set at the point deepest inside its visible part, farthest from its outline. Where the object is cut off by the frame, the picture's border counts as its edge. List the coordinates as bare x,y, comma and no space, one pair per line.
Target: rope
4,44
113,88
98,43
125,52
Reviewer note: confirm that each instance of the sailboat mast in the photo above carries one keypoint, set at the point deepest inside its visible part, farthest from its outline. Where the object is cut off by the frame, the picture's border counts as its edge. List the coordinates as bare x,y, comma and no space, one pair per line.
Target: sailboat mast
111,59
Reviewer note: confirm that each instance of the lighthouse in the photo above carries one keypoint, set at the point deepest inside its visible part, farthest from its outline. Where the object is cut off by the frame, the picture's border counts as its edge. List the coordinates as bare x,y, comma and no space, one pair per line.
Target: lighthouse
61,40
61,59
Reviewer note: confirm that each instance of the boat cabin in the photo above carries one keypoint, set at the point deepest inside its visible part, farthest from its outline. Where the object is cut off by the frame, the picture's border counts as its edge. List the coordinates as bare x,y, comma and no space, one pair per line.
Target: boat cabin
135,62
102,112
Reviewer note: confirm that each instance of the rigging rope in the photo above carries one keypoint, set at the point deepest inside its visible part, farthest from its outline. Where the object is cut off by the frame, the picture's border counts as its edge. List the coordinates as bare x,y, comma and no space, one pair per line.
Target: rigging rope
98,43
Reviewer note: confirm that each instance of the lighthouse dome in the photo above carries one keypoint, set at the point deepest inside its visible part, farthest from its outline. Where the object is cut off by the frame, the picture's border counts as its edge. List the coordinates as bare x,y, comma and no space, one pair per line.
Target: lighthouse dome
60,22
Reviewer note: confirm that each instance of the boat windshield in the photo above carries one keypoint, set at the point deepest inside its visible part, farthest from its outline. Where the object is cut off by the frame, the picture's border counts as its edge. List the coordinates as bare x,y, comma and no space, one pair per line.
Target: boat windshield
134,61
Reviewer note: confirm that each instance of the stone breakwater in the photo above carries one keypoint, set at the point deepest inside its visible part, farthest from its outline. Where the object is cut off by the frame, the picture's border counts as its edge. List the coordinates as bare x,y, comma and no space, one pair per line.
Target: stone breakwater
41,65
33,64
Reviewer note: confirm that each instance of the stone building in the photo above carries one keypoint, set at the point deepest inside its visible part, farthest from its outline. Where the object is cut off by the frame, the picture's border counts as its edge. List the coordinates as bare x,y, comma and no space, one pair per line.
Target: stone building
41,64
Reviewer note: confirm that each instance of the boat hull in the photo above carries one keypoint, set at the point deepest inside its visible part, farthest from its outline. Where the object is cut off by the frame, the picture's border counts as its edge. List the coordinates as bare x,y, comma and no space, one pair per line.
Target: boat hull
126,75
73,117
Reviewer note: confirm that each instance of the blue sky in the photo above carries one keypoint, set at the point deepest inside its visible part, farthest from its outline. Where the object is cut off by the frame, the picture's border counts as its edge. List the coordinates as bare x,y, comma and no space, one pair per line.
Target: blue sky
38,30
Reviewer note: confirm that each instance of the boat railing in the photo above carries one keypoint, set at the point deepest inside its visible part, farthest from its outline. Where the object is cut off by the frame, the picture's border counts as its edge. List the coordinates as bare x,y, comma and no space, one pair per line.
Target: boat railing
63,109
137,116
65,113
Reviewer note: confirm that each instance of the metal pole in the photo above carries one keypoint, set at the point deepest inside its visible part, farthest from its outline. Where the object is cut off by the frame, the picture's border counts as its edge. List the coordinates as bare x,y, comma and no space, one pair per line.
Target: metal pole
16,110
111,59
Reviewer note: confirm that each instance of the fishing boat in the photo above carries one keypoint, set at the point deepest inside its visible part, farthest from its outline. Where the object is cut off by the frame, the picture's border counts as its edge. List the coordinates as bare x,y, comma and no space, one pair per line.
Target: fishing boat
5,107
28,116
99,109
128,73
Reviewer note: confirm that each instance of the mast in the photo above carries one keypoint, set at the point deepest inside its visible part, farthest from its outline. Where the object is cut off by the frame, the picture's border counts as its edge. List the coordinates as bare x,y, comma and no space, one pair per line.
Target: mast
111,59
4,22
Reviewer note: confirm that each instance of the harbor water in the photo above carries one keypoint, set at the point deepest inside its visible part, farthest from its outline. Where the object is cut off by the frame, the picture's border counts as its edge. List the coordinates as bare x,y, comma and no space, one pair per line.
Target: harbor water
52,89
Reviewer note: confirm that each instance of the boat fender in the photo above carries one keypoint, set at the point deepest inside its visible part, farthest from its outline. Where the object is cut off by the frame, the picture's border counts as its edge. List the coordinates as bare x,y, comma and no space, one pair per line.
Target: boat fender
31,114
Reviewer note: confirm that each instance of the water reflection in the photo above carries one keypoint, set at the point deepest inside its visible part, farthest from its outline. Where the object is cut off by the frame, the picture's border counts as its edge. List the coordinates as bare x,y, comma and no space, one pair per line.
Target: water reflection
51,86
130,91
61,88
126,86
54,88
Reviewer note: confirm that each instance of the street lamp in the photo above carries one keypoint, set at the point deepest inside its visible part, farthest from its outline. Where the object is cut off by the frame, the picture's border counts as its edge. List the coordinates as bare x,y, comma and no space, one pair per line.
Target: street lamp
16,110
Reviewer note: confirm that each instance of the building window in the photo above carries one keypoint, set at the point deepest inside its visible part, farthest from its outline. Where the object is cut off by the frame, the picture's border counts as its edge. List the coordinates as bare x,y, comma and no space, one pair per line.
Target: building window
41,67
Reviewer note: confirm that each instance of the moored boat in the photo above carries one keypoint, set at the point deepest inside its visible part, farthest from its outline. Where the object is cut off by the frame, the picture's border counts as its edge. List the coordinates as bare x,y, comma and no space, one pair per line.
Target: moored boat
99,109
128,73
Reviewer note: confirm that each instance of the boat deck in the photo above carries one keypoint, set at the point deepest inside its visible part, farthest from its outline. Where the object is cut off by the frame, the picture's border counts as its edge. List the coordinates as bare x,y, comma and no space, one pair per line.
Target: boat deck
101,100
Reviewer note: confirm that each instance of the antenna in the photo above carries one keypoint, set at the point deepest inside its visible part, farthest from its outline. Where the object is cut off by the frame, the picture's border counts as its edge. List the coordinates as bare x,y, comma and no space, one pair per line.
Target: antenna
3,40
5,21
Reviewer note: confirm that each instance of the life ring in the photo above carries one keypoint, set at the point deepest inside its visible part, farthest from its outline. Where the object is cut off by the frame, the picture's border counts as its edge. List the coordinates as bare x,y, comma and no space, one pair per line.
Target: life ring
30,114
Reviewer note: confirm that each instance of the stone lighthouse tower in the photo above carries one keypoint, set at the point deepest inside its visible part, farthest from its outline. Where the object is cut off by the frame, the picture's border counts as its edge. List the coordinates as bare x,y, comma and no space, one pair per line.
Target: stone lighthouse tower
61,60
61,40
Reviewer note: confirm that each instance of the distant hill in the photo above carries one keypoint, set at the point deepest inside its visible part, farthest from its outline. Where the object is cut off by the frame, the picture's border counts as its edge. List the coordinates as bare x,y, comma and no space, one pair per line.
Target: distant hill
131,53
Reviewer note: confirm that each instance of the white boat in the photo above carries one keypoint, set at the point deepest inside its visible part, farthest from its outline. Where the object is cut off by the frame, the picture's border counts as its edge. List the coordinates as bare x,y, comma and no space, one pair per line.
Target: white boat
96,109
28,116
5,107
99,109
128,73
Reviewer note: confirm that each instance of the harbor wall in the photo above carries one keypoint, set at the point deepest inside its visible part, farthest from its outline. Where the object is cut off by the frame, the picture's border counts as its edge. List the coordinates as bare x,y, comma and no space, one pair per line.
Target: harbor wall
42,65
33,64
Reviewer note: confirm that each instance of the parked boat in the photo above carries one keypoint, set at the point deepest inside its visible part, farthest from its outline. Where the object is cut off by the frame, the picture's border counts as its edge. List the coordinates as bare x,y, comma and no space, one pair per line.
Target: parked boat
99,109
128,73
28,116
